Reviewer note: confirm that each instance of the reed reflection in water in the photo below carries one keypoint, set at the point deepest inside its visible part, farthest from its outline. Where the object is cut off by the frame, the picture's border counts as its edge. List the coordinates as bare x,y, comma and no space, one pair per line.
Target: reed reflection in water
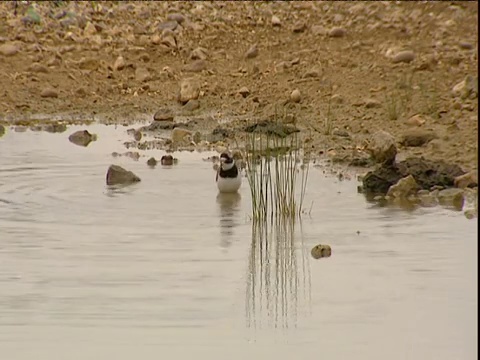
278,274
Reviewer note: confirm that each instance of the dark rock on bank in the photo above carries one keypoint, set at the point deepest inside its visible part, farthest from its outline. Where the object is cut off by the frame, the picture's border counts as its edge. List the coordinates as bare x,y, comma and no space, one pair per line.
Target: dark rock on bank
271,128
425,172
219,134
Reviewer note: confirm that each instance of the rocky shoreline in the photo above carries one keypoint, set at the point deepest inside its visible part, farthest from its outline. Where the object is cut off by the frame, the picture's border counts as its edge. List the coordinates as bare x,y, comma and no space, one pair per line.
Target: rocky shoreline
356,81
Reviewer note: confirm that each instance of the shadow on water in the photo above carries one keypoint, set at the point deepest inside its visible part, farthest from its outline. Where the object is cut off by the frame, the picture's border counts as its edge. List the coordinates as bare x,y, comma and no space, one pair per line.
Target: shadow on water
278,274
230,207
115,190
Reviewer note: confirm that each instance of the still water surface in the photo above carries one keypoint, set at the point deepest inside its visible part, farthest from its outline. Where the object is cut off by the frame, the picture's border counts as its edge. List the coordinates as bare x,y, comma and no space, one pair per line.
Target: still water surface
166,267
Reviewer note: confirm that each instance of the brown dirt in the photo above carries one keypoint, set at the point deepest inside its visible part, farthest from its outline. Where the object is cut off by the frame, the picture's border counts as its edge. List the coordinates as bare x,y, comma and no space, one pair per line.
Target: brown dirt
346,83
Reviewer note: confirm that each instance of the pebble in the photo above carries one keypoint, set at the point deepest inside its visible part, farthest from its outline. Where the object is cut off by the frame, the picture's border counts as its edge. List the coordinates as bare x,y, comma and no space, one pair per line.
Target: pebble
142,74
405,56
119,64
311,74
372,103
89,29
252,52
196,66
20,128
415,120
295,96
299,27
467,180
318,30
337,32
81,92
320,251
276,21
168,25
169,39
9,49
179,134
137,136
38,68
179,18
465,45
417,137
191,105
467,87
156,39
88,64
341,133
189,90
199,54
337,99
49,93
244,91
54,128
164,114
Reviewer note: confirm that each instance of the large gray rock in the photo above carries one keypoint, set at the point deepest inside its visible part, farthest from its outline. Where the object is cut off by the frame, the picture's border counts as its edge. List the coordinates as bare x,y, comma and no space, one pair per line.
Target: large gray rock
82,138
116,175
382,147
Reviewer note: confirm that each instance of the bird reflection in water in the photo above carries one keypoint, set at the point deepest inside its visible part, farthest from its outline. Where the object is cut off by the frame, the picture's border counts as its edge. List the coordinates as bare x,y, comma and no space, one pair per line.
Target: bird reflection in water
229,205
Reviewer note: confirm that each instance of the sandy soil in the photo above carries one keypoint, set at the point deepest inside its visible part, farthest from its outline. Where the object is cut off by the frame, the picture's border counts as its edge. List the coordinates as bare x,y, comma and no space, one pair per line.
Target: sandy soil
115,62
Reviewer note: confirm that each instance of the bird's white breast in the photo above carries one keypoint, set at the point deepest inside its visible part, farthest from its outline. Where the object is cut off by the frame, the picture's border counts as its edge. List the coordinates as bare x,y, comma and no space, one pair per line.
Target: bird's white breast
229,185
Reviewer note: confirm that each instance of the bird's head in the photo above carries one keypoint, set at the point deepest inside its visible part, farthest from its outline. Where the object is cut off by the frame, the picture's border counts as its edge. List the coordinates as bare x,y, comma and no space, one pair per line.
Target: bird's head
226,161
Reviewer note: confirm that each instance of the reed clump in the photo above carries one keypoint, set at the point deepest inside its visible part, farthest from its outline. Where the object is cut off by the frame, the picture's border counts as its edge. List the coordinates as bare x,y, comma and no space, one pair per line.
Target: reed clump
277,171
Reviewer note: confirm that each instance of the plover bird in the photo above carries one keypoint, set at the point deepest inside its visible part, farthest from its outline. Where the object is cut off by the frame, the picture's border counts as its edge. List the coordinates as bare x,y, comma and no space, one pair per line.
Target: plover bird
229,178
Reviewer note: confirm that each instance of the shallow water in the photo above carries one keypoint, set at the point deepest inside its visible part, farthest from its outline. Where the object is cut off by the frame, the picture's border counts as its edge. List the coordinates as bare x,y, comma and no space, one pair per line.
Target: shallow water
165,267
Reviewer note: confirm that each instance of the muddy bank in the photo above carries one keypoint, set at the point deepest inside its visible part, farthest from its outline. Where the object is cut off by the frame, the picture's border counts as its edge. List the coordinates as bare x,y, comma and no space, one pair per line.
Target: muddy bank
339,71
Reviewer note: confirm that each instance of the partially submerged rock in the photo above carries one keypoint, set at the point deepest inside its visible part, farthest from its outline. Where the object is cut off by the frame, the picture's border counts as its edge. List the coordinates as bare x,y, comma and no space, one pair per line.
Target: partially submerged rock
426,174
452,197
2,130
403,188
320,251
82,138
55,128
168,160
152,162
116,175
